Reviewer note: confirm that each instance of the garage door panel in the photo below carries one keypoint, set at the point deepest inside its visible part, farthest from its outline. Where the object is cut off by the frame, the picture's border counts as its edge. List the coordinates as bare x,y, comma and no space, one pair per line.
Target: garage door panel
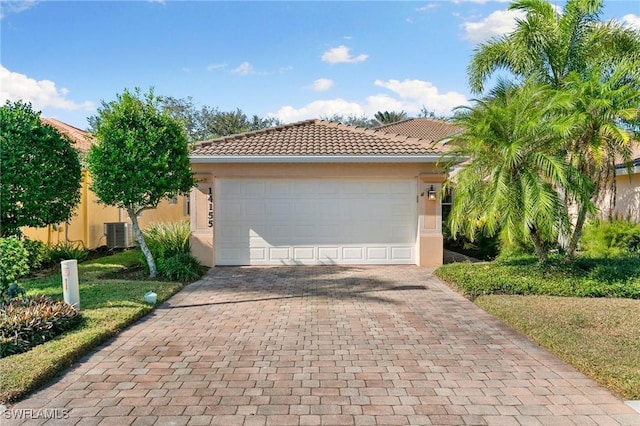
279,221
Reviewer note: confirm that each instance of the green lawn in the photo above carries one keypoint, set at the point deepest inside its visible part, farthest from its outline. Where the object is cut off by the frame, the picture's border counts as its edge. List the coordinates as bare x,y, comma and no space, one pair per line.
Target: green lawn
599,337
110,297
594,327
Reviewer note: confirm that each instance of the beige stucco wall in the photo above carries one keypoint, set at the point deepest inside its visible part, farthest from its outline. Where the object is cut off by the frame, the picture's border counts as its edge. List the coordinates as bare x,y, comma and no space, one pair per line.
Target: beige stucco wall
86,227
429,238
628,196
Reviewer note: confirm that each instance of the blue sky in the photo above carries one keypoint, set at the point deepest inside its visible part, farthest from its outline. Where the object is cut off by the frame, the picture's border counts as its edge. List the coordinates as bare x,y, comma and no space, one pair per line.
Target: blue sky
293,60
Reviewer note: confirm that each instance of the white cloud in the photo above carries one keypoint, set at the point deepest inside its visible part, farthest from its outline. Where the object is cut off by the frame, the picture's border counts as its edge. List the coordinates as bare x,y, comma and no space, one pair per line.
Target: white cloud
496,24
414,94
41,93
8,7
162,2
407,95
212,67
322,84
244,68
286,69
631,21
427,7
340,54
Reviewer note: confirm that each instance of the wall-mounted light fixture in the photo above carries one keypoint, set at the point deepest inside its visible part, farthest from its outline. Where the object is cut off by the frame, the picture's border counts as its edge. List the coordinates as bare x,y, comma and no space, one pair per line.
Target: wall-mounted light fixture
432,195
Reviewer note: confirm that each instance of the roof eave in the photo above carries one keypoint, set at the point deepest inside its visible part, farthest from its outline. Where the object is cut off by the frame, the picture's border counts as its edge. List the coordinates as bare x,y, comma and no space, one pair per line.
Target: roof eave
419,158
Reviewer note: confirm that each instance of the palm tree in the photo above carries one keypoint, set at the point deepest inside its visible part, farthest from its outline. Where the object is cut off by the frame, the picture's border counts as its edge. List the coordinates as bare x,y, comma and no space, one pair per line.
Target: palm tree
548,44
574,51
388,117
607,107
514,141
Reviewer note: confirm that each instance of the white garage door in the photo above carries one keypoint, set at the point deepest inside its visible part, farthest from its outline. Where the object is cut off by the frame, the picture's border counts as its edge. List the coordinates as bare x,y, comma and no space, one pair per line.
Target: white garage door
311,222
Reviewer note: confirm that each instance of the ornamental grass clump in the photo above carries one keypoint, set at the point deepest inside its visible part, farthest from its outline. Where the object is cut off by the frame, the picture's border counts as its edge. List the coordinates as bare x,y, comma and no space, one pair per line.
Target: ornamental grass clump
27,322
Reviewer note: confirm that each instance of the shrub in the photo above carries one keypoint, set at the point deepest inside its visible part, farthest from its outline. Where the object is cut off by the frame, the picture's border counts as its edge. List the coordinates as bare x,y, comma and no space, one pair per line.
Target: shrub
168,240
66,250
611,238
14,263
39,254
28,322
483,247
173,238
182,267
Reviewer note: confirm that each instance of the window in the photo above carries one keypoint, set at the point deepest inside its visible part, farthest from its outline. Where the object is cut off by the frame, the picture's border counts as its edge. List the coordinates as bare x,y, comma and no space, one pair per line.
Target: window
447,200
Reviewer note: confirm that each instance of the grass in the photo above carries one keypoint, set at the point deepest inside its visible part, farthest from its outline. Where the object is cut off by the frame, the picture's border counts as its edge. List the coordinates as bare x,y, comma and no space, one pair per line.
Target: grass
599,337
111,297
594,327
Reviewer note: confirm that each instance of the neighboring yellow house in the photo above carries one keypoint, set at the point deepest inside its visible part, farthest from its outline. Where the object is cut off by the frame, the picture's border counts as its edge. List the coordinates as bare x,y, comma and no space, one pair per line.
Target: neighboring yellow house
86,227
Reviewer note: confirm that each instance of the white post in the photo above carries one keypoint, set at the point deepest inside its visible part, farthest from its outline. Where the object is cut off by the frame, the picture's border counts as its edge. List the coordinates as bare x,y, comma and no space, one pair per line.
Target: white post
70,283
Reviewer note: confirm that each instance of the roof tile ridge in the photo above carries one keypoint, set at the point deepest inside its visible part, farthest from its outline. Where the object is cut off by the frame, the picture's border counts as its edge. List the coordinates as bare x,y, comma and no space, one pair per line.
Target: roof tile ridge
237,136
66,125
382,126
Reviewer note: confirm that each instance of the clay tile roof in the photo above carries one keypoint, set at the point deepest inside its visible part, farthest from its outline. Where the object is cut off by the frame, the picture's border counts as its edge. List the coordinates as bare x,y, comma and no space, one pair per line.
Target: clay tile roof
81,140
429,129
315,137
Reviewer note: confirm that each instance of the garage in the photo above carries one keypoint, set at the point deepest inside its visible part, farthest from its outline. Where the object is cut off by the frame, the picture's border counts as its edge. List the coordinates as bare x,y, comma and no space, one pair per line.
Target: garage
317,193
315,221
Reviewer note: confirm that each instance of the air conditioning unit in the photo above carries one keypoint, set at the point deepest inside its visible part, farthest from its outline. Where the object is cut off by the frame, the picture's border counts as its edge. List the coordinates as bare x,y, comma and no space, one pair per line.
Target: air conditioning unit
119,235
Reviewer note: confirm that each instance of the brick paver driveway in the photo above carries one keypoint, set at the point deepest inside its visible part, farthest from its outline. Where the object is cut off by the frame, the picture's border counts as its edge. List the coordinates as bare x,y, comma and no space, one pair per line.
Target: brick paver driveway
330,346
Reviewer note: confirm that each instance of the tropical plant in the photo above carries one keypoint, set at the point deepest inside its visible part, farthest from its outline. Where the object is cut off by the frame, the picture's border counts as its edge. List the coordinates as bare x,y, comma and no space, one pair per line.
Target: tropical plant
40,174
548,44
141,156
607,107
513,139
388,117
597,62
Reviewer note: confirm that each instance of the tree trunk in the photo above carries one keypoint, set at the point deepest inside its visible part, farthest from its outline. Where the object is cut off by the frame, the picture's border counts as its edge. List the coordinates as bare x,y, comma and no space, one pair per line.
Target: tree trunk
577,231
538,246
143,244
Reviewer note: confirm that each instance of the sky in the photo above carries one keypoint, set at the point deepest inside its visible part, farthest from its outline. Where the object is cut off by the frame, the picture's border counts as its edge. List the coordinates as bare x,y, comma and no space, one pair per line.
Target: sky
292,60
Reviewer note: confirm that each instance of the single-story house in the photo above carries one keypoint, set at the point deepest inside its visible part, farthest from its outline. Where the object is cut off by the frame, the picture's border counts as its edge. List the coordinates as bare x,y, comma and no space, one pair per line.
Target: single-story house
316,192
86,227
628,187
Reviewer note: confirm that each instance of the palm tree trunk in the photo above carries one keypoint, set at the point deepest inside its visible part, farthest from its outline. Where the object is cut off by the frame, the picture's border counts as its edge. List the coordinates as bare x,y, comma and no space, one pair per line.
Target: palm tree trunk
577,231
153,271
538,246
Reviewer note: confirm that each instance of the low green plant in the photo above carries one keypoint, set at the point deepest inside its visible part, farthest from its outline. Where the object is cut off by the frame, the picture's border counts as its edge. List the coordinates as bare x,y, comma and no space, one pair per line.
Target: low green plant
610,238
182,267
67,250
172,237
39,253
166,241
523,275
27,322
14,263
483,247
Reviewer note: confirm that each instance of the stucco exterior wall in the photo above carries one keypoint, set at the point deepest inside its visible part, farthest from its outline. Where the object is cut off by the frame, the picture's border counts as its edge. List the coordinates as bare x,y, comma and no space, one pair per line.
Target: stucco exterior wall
86,227
429,238
628,196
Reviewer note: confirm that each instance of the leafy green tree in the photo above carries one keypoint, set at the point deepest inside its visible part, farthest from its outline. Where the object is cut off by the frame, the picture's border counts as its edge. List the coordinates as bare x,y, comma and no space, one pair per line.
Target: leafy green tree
388,117
141,156
513,139
40,171
209,123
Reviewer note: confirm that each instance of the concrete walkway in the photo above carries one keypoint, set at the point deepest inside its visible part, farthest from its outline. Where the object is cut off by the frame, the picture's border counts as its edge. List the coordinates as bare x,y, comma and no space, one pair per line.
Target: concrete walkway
384,345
